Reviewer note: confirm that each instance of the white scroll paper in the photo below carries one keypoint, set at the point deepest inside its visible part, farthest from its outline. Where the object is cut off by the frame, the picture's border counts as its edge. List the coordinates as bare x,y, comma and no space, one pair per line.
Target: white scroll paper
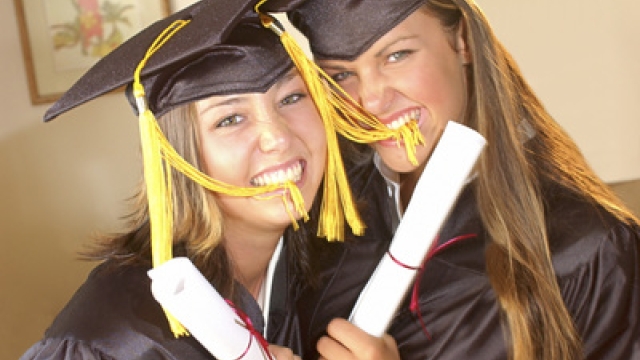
181,289
436,192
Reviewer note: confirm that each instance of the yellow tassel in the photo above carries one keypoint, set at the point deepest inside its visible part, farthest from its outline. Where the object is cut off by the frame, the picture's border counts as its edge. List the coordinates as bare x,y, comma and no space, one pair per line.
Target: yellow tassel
411,135
337,203
156,180
338,200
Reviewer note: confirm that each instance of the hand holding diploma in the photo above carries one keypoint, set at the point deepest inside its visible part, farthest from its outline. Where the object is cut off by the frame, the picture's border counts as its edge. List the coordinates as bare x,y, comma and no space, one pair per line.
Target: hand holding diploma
436,192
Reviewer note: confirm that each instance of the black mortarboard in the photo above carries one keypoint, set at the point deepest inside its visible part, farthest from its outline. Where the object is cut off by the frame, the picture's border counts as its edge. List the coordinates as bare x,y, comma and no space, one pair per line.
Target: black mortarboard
224,49
344,29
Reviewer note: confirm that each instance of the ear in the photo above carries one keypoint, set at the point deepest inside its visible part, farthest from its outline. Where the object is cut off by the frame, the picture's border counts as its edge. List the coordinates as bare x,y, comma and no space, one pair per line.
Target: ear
462,48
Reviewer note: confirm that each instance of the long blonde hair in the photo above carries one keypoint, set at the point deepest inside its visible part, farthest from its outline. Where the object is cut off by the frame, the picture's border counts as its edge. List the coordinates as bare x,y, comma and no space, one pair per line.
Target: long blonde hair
505,110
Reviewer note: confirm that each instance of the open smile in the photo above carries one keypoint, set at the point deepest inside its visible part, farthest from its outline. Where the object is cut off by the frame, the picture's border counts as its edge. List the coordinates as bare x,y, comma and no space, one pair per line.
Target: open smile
280,176
403,119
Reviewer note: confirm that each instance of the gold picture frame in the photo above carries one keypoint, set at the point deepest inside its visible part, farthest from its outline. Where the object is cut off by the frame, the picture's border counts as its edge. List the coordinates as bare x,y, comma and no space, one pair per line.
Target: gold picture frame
62,39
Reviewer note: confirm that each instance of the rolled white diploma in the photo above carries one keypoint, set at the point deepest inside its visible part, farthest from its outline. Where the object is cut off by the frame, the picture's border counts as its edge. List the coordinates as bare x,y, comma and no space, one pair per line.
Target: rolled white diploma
182,290
436,192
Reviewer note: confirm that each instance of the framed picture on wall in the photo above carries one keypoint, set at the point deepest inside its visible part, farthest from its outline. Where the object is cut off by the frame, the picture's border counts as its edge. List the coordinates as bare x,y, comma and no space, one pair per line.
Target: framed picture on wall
62,39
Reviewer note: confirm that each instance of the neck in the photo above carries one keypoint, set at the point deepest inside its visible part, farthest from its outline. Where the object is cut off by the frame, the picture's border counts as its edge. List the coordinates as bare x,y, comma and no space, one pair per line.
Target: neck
250,256
408,182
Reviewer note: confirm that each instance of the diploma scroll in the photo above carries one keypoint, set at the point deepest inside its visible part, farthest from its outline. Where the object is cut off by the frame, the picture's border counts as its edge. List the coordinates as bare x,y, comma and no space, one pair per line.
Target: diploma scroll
436,192
181,289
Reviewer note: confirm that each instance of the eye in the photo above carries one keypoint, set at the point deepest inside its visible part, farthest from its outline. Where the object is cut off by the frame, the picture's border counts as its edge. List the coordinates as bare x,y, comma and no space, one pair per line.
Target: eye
229,121
292,98
399,55
341,76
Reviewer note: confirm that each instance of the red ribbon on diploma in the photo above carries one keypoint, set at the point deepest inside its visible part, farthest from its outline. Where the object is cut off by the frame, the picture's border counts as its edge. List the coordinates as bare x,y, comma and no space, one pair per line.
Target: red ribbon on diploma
252,330
413,306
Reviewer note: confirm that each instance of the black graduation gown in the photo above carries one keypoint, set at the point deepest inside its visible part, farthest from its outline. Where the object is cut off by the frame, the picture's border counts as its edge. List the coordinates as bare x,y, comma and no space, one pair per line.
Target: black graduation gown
344,267
596,259
113,315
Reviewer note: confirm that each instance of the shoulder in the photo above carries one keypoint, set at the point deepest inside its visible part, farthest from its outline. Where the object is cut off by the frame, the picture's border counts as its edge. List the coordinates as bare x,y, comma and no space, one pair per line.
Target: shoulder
597,262
589,246
61,349
113,316
109,296
582,233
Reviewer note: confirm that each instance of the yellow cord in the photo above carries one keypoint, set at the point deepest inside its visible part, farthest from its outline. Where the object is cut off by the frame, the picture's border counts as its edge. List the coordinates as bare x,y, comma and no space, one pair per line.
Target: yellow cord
156,180
337,203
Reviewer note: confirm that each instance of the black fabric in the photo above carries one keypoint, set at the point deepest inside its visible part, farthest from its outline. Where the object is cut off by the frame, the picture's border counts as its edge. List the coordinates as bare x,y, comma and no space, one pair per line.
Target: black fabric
283,328
250,60
596,258
224,49
344,268
113,315
345,29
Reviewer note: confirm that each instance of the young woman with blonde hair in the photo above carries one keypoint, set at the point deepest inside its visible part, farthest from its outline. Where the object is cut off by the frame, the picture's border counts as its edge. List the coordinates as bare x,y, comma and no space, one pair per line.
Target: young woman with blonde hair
233,166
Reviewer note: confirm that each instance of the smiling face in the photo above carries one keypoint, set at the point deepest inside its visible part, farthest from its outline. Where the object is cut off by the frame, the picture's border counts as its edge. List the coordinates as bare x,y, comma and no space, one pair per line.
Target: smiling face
415,72
259,139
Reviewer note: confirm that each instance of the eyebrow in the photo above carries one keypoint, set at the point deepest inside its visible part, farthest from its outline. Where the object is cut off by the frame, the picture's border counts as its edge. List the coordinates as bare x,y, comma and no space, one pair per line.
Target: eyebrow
228,101
380,53
231,100
331,66
239,98
287,77
394,42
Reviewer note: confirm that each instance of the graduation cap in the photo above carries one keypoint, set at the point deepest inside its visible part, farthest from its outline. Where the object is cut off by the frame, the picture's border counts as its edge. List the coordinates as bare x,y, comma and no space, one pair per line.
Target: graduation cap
224,39
213,47
344,29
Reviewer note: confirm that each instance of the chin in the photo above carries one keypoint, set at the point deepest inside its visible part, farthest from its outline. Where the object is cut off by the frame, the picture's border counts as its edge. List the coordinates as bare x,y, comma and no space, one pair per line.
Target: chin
403,168
396,159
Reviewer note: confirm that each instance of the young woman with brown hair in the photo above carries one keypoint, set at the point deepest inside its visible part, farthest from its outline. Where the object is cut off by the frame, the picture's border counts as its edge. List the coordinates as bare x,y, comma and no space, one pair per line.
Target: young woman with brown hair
552,269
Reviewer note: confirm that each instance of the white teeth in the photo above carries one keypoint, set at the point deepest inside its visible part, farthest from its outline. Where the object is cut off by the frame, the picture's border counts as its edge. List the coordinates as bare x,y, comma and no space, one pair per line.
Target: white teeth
397,123
294,173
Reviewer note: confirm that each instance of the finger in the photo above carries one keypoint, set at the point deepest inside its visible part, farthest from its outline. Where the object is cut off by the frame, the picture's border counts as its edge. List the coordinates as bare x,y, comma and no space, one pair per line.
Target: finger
360,344
391,347
350,335
330,349
389,341
282,353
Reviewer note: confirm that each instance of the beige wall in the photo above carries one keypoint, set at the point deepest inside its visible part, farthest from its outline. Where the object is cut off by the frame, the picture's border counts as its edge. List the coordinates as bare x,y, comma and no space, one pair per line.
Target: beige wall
62,182
583,59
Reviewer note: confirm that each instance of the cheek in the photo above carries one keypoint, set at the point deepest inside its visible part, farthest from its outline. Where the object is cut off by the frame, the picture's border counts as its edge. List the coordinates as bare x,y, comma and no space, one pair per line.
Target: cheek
310,129
351,88
222,161
441,92
317,137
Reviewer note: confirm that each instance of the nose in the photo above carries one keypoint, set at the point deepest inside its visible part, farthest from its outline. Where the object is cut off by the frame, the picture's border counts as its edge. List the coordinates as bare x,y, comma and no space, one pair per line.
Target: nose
374,92
273,132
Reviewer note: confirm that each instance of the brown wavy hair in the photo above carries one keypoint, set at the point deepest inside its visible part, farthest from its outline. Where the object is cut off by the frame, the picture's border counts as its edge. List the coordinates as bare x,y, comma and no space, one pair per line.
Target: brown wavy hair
526,148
